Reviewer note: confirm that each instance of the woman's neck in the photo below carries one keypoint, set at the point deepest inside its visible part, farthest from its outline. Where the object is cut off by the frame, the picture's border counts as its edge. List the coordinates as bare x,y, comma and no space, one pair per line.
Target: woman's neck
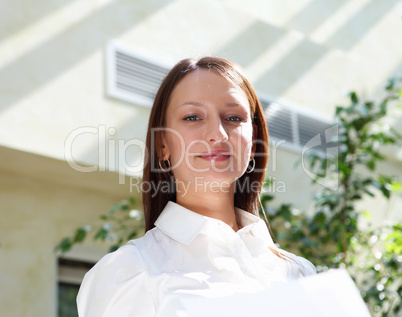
213,204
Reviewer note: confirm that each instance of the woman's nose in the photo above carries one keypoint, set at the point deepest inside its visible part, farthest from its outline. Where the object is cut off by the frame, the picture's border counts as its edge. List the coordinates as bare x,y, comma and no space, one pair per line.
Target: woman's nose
216,131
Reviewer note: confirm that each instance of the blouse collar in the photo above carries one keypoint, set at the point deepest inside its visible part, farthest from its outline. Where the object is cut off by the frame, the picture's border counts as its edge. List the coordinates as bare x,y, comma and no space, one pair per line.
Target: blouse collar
183,225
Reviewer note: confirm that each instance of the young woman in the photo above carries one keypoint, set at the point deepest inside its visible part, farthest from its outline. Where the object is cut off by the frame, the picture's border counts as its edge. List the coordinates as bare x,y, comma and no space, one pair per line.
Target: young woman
207,147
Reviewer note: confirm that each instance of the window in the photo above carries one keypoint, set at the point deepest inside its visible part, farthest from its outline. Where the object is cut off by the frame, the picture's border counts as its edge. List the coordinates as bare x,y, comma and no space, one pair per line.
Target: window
71,273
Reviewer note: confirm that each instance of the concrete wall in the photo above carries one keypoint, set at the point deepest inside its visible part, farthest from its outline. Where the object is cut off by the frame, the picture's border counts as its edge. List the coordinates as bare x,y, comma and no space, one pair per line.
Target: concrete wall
308,53
42,201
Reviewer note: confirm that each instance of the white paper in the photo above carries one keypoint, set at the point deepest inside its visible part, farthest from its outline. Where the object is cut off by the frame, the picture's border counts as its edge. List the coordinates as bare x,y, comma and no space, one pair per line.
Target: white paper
329,294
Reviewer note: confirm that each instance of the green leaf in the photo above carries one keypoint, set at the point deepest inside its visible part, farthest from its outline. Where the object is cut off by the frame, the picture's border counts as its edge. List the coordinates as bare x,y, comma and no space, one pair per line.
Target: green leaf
368,192
65,245
132,235
369,105
356,197
266,198
393,243
385,192
396,187
132,201
366,215
81,233
371,165
285,212
102,234
383,107
390,84
267,182
115,207
125,207
353,97
338,110
113,247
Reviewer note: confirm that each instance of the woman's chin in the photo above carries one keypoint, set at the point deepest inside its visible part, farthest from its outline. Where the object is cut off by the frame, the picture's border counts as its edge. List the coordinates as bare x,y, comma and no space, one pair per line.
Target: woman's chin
214,177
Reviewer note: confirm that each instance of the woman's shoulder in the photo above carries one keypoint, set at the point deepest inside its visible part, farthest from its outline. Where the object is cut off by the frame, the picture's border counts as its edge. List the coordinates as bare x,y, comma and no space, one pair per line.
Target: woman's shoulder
119,277
126,262
127,255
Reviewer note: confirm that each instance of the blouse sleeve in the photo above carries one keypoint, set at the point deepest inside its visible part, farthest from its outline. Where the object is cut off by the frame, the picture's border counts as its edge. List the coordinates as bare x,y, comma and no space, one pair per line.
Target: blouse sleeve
118,285
306,267
299,266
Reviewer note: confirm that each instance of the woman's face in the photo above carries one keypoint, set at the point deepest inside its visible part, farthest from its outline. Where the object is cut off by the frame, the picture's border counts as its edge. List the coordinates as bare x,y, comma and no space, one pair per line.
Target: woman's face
209,132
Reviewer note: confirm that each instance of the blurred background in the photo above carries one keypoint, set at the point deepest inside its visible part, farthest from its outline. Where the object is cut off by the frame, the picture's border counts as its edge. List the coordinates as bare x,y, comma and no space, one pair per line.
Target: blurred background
77,79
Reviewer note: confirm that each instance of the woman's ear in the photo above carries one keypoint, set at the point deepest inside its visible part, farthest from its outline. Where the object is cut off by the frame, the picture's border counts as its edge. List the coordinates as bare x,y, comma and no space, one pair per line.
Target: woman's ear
163,152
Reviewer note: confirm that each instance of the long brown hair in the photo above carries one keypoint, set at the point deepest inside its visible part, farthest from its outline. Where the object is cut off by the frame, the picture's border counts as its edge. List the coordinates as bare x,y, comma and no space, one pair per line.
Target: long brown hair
155,200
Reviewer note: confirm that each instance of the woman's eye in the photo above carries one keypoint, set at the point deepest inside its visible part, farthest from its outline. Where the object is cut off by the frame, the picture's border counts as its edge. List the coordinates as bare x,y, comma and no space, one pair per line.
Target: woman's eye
234,118
192,118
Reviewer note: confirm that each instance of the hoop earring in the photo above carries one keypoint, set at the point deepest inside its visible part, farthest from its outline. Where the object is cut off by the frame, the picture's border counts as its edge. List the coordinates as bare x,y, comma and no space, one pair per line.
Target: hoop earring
167,162
251,169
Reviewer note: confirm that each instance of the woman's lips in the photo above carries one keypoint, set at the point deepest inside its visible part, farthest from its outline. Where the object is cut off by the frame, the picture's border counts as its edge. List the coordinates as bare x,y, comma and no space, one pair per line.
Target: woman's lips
215,156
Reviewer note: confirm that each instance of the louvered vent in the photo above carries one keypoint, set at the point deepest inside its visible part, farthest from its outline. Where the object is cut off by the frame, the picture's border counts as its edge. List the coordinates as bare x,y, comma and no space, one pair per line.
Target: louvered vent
309,128
133,76
297,129
279,121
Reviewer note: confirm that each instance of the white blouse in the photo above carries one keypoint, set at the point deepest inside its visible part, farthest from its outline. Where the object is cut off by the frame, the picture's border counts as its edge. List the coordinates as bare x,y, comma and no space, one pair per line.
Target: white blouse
185,256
